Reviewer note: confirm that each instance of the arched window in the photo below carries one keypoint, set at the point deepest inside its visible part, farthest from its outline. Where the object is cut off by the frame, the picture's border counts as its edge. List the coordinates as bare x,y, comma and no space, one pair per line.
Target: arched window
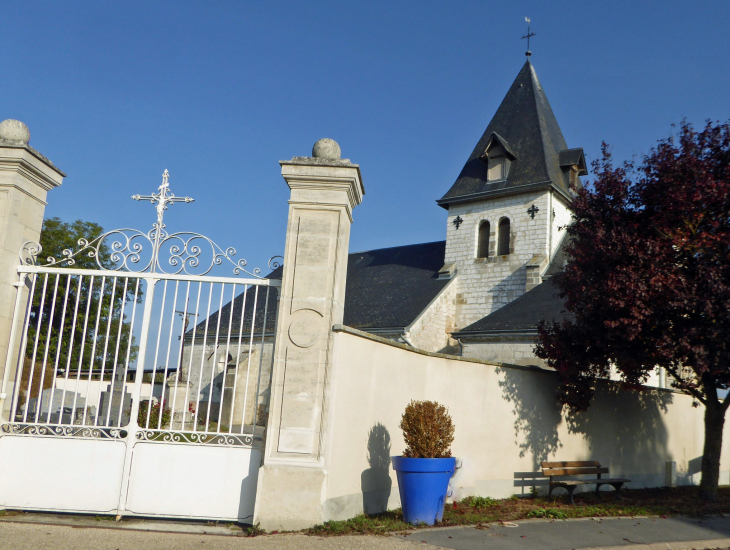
483,243
503,237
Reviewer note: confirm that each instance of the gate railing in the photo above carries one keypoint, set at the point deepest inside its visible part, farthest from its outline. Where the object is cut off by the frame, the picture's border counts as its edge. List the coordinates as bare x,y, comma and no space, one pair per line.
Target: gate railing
92,363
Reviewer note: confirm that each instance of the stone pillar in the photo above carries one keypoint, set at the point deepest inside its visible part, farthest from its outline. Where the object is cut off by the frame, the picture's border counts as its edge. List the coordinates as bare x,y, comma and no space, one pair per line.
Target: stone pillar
324,190
26,176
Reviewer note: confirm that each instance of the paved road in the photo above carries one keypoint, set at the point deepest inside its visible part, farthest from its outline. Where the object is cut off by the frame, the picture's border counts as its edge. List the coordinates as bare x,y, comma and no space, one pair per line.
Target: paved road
61,537
566,535
624,533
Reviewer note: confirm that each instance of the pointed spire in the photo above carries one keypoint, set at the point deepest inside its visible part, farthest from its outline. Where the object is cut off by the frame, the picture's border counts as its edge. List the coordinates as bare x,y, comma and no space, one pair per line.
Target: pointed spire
526,127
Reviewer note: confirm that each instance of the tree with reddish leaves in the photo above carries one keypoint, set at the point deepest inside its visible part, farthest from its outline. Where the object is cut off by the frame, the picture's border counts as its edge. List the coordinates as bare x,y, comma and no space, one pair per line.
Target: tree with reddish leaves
648,279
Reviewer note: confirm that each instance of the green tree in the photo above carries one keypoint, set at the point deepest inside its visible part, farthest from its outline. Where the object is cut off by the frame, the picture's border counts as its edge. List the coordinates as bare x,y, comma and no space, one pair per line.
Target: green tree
101,334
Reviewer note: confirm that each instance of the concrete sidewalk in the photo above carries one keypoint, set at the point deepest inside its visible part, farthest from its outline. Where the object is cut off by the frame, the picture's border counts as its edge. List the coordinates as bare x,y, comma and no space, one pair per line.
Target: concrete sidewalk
87,533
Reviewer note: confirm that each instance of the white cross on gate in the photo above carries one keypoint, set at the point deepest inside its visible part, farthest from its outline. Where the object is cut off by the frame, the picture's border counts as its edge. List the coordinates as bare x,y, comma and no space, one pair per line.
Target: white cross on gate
162,199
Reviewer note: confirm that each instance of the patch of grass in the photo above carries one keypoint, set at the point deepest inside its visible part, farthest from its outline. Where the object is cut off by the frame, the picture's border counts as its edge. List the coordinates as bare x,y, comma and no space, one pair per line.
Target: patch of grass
255,531
387,522
546,513
478,511
482,502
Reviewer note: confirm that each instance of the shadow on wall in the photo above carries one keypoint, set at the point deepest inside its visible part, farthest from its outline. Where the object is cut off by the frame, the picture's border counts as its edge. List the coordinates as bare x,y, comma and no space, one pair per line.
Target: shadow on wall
375,481
623,428
537,412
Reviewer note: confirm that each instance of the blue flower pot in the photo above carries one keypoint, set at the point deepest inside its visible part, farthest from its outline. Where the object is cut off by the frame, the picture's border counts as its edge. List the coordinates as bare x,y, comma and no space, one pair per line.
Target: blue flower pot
423,483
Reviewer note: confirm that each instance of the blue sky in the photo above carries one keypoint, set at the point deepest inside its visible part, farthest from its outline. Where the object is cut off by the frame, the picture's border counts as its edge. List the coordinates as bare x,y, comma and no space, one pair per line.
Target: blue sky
219,92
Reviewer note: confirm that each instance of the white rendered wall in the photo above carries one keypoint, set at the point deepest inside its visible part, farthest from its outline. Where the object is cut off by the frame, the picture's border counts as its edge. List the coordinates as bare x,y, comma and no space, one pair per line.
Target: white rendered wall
488,284
91,390
506,420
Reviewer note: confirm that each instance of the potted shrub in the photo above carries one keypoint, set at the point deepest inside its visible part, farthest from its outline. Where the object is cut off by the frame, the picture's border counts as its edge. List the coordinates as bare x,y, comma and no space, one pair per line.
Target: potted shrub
426,466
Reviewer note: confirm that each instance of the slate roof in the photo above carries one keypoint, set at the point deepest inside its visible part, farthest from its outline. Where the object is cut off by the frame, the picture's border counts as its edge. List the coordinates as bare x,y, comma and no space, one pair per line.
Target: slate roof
525,121
523,314
391,286
386,288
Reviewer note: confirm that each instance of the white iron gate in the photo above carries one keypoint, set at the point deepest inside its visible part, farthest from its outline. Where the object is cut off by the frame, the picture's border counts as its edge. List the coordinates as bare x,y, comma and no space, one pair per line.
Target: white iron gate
138,391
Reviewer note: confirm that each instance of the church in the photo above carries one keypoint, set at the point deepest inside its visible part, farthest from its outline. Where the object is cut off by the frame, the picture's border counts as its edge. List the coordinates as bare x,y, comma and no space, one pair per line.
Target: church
480,293
294,385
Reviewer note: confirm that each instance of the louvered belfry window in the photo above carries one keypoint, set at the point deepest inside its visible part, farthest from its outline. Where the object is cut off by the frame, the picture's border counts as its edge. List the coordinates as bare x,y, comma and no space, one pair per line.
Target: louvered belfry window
496,163
503,237
483,246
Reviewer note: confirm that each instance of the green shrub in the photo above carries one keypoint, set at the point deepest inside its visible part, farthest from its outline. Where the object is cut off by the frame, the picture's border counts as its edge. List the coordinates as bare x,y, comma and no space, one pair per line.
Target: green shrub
154,416
427,430
483,502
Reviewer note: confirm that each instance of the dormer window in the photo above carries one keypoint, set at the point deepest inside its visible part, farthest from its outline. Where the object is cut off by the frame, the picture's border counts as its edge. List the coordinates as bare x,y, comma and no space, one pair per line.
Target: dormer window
573,163
498,163
498,157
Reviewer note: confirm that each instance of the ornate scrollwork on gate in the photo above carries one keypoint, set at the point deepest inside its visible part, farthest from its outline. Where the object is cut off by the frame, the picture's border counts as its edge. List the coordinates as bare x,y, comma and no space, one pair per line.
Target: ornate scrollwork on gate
156,251
230,440
84,432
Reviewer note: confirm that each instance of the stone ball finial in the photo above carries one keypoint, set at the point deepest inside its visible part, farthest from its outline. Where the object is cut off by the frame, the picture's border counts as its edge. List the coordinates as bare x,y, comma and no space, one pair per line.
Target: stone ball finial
326,148
14,130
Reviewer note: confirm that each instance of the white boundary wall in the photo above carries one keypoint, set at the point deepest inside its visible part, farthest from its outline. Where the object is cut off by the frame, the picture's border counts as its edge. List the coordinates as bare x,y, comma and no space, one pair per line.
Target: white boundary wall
506,420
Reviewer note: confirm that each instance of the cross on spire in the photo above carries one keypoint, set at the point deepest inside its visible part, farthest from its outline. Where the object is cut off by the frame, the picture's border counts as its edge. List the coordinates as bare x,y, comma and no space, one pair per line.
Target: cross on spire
529,34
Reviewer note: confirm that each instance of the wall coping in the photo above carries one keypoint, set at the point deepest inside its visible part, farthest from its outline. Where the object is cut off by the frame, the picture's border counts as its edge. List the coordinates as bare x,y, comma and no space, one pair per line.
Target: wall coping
406,347
533,368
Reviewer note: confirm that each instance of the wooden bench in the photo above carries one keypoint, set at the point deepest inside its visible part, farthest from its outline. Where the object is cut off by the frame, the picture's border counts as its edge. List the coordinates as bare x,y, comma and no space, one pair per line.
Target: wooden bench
555,470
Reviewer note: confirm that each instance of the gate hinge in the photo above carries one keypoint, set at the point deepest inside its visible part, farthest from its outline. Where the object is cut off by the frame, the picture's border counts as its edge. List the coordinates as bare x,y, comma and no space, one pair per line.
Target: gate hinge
19,284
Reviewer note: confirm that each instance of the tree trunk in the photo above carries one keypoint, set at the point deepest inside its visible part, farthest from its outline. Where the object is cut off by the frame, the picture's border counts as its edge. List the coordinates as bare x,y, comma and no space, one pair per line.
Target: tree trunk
714,423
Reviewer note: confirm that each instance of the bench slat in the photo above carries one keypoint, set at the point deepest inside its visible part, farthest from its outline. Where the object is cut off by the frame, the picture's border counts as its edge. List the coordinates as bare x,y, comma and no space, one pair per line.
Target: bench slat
571,464
573,471
606,481
520,475
531,483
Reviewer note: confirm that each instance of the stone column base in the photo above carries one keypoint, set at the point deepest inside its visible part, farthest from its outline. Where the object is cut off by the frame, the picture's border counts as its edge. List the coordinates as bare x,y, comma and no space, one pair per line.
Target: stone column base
289,497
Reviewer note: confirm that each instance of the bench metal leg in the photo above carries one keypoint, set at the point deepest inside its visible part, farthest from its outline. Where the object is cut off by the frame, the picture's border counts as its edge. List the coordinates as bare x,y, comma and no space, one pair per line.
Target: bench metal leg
550,492
618,486
570,493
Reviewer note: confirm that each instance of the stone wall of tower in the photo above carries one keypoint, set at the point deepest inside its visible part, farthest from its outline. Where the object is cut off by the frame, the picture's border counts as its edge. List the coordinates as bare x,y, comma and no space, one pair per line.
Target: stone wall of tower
487,284
561,219
430,331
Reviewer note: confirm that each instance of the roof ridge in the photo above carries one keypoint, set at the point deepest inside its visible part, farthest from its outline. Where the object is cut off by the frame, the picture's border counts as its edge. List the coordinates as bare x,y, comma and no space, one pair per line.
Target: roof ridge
393,247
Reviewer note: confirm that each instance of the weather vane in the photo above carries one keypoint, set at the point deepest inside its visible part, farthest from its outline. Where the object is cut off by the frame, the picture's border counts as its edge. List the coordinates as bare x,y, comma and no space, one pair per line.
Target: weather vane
528,53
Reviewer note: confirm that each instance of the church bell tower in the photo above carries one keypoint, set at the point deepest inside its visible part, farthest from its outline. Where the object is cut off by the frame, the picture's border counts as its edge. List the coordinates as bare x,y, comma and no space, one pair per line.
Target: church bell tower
509,205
